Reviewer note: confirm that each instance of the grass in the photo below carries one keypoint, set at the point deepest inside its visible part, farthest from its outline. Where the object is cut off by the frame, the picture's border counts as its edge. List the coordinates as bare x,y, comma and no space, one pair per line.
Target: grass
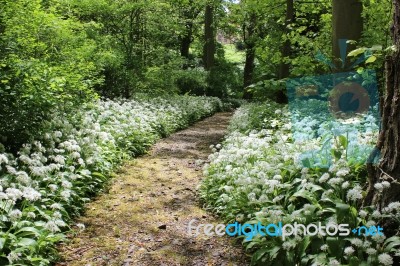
233,55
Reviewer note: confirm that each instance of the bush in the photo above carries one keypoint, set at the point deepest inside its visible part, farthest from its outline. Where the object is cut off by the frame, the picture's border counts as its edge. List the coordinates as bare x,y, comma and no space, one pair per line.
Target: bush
45,62
192,81
224,80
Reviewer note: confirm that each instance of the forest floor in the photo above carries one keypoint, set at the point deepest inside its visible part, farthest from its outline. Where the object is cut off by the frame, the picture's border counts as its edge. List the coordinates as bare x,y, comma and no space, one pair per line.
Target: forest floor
143,218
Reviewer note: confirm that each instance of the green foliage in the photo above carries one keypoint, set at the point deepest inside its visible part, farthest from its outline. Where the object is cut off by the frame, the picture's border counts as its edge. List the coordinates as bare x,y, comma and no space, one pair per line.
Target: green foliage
224,80
192,81
45,62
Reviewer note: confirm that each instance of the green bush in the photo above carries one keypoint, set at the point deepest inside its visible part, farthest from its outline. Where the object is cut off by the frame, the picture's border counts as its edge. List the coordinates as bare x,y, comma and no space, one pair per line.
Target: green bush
45,63
224,80
192,81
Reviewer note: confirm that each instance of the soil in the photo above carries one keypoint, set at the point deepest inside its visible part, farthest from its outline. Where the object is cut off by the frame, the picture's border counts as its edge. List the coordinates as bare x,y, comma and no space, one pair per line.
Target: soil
143,219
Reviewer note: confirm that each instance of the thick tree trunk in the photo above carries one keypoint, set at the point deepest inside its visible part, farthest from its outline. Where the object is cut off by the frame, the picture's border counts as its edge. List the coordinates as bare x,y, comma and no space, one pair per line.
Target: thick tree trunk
248,71
347,23
284,67
249,41
209,35
389,139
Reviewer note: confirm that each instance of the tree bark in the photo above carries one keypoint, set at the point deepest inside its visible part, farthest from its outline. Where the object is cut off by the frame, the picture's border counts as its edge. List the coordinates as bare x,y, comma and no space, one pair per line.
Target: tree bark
186,40
389,138
286,49
284,68
347,23
249,41
209,35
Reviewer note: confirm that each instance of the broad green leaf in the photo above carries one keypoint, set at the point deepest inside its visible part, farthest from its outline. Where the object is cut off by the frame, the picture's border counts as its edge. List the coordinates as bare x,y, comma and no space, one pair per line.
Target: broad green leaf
26,242
357,52
371,59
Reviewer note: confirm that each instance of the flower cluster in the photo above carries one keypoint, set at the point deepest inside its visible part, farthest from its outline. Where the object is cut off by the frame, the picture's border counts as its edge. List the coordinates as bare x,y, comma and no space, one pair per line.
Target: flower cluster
260,175
51,178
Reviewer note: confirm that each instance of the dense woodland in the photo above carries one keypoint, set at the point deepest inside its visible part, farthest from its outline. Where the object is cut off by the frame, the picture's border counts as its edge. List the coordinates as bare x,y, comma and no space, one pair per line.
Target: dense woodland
87,84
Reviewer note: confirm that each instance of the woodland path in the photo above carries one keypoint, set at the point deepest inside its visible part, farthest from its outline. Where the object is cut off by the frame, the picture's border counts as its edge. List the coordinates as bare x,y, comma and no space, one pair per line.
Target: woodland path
142,220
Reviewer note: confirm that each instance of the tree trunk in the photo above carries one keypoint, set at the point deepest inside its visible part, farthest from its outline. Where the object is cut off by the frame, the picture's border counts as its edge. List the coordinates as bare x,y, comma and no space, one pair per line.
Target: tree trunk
284,69
250,55
186,40
209,35
347,23
389,138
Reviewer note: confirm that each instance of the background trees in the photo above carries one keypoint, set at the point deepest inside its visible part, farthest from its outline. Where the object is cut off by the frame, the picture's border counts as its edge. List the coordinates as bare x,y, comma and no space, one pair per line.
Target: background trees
69,51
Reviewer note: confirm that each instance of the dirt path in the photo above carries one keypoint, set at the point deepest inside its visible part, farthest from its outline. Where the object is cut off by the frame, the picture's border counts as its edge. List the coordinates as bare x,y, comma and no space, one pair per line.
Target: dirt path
143,219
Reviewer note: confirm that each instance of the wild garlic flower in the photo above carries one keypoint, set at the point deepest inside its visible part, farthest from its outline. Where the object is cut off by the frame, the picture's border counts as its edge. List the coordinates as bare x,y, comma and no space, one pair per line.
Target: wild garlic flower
385,259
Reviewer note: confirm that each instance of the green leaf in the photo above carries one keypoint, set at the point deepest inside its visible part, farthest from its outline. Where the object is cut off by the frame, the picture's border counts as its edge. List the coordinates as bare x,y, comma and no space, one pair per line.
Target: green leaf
343,141
258,255
357,52
2,241
354,261
342,211
371,59
26,242
334,245
27,231
391,243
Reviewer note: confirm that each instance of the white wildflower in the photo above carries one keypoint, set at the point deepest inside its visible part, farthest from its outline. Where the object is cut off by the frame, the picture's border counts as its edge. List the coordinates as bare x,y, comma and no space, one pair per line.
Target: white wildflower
23,178
342,172
370,251
80,226
53,187
14,194
11,170
385,259
31,194
66,184
52,226
376,214
324,247
335,181
3,159
348,251
324,178
363,214
355,193
57,215
334,262
56,206
13,257
379,238
379,187
15,215
346,185
59,159
386,184
356,242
